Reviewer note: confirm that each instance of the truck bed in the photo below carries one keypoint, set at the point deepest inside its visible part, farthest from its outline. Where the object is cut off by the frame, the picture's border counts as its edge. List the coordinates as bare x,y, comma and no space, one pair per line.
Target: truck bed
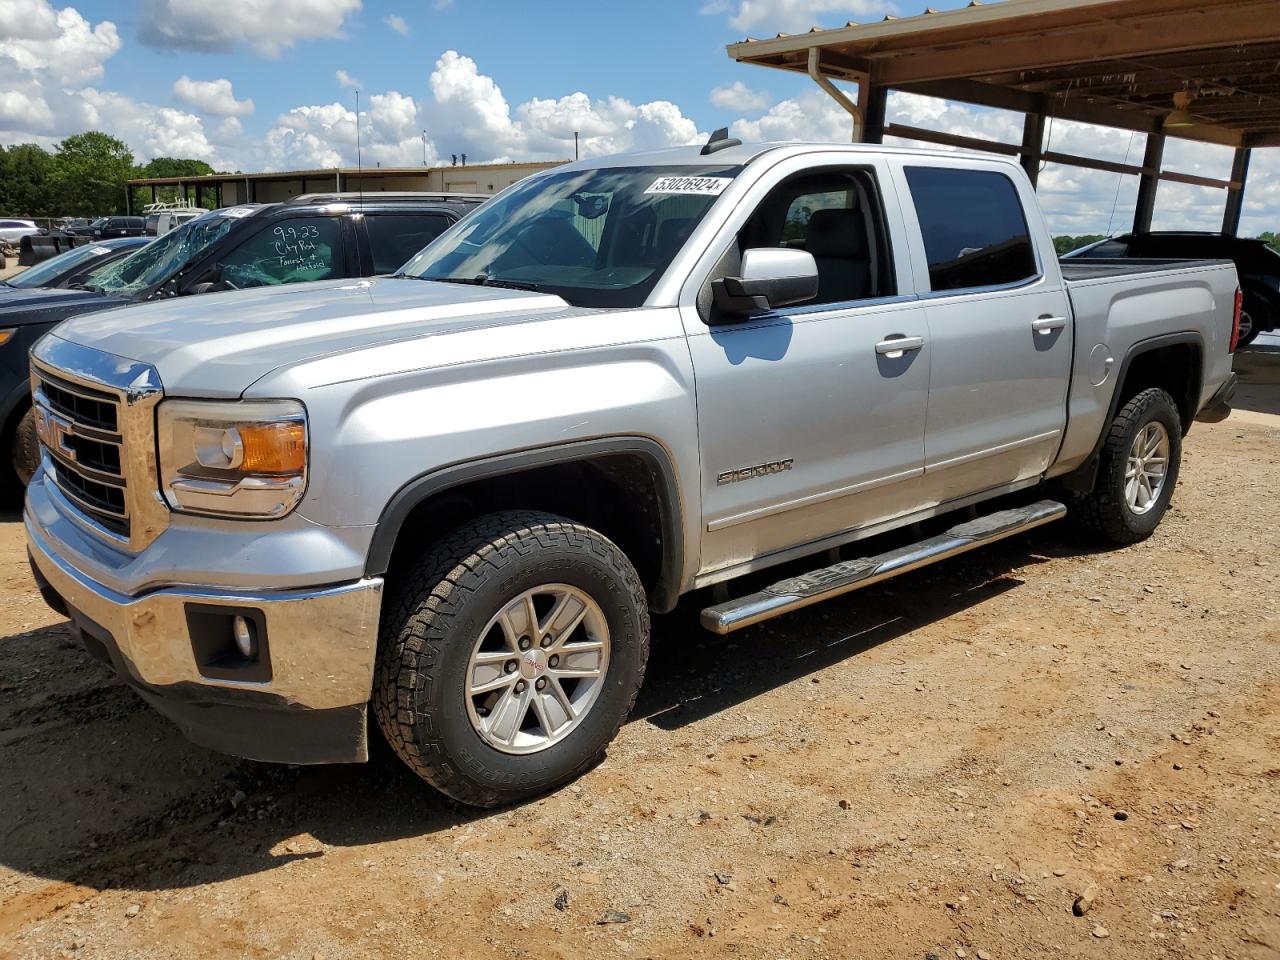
1100,268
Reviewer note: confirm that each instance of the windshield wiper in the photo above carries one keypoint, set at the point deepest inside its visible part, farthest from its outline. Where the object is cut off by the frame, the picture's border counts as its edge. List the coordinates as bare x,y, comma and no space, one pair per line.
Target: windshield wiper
483,280
509,284
91,287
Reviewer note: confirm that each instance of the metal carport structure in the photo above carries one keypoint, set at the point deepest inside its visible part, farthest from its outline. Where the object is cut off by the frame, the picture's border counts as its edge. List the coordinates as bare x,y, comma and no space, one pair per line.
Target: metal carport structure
1204,70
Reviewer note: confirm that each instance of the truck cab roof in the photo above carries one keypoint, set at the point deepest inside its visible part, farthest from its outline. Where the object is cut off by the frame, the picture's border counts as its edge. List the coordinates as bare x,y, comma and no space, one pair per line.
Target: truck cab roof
741,154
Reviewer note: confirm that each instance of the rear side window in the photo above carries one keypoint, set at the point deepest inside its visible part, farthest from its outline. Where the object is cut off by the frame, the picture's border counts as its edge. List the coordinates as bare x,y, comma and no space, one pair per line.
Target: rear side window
291,251
975,233
395,237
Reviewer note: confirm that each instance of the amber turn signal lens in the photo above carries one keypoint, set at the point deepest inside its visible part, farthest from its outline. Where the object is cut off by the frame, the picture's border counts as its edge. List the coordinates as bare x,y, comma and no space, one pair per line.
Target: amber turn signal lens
6,336
274,448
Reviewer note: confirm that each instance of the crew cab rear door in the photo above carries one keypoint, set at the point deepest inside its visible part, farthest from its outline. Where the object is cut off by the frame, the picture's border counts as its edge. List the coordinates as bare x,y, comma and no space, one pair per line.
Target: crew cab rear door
390,238
1000,324
809,426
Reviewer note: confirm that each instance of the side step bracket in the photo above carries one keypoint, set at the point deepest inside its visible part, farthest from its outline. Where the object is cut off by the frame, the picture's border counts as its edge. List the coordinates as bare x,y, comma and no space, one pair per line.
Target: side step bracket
847,575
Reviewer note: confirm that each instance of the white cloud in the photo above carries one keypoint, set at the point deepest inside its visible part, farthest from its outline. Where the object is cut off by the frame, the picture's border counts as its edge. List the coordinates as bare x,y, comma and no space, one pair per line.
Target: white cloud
465,111
211,96
21,112
151,131
267,28
396,23
471,108
739,97
795,16
58,46
229,130
811,116
347,80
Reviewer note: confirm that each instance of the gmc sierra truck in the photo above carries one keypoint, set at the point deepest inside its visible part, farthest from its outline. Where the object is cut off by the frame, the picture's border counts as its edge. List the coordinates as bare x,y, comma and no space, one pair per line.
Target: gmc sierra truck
456,494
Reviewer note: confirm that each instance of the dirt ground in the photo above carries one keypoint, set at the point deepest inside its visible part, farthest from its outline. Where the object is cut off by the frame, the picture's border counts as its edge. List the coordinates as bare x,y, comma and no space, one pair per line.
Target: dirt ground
936,767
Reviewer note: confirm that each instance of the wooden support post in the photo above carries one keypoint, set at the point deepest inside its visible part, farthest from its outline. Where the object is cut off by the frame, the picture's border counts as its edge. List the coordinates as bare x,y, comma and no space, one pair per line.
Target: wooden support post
1235,194
1032,142
873,121
1148,183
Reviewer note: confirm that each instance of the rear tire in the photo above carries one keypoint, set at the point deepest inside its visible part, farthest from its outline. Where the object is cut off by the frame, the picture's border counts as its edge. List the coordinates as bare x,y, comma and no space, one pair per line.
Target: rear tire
1137,470
25,449
1250,327
453,624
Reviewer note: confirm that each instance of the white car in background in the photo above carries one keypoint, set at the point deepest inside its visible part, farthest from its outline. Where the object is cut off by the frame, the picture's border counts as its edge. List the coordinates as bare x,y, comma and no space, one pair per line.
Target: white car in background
11,231
163,217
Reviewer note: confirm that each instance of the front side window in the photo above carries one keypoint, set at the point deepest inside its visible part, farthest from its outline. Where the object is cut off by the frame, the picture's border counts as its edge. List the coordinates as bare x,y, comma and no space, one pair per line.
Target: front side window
395,237
835,216
975,233
291,251
597,238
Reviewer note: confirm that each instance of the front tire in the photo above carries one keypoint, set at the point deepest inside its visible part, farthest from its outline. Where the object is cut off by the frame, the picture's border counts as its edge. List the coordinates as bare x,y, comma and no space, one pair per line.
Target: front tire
1137,470
510,654
24,451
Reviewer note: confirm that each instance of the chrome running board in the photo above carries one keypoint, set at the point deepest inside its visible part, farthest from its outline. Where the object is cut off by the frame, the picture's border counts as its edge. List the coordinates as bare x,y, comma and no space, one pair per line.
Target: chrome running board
848,575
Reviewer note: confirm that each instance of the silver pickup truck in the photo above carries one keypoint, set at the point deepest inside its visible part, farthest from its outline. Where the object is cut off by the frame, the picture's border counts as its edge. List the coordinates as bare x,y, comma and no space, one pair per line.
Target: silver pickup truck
456,494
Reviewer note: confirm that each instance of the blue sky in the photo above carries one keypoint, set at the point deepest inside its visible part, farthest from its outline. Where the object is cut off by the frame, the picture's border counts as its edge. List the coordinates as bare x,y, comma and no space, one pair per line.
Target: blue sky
659,50
269,84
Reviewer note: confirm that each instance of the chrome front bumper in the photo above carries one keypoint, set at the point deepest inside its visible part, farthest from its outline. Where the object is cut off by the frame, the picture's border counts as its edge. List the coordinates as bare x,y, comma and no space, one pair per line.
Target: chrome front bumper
321,644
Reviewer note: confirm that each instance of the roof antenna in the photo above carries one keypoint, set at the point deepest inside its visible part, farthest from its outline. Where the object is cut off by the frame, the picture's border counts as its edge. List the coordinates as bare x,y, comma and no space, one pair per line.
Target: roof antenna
720,140
359,158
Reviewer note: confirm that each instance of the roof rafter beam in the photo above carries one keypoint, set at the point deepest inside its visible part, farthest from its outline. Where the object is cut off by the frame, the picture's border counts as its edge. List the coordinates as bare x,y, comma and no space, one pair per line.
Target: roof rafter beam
907,132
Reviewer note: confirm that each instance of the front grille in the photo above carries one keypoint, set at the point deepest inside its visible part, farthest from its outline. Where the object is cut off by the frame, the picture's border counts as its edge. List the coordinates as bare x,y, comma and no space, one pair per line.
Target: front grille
80,431
93,408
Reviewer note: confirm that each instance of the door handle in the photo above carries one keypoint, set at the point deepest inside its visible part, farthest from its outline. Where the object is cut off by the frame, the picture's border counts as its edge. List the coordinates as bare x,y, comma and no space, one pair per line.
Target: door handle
895,346
1048,324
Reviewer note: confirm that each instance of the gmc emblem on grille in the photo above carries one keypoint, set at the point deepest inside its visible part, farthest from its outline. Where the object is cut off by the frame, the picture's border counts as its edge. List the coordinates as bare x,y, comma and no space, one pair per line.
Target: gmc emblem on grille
55,432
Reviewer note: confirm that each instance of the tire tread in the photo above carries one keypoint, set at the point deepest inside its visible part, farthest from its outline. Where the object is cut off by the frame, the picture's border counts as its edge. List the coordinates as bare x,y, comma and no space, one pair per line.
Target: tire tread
1101,511
415,630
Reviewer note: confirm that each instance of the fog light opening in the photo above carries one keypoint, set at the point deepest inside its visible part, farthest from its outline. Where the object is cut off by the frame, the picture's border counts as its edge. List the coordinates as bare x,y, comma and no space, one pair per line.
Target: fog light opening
246,637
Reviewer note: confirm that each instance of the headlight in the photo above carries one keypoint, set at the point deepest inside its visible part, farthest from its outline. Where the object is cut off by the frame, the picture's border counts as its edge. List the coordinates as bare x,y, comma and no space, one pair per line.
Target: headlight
233,458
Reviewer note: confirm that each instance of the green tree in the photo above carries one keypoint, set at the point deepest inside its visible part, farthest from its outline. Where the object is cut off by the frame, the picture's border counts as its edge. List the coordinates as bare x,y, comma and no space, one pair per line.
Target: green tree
1272,240
1067,244
90,173
26,175
174,167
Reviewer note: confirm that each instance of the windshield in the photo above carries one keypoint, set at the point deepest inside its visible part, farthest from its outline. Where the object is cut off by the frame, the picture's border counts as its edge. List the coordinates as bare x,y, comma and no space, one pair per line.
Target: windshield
159,260
597,238
51,270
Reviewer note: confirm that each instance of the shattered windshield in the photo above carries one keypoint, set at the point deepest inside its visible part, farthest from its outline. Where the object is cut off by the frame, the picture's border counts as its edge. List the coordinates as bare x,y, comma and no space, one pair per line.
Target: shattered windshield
159,260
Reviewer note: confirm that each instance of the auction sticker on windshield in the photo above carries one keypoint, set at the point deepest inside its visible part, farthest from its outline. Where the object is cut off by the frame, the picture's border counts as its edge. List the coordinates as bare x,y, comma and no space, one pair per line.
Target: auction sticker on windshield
702,186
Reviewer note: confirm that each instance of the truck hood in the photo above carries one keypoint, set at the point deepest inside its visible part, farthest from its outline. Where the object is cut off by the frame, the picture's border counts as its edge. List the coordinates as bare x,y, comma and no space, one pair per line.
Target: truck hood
218,344
19,307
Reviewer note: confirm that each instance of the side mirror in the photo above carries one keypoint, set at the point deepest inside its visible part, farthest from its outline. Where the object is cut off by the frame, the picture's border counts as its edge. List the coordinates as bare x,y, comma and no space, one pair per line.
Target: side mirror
771,277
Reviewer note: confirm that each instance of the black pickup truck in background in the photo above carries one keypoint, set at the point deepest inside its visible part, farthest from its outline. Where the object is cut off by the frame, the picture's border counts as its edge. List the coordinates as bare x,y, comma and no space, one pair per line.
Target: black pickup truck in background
1257,265
311,237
